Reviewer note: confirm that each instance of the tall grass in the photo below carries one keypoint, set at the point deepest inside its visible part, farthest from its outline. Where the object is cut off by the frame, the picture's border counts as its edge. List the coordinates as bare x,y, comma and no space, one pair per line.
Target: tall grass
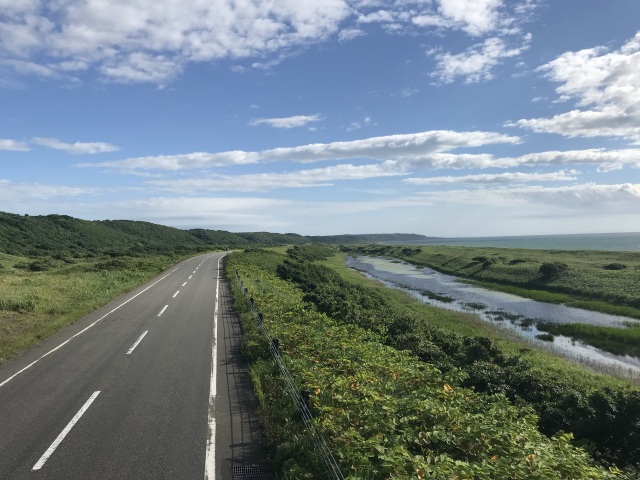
36,304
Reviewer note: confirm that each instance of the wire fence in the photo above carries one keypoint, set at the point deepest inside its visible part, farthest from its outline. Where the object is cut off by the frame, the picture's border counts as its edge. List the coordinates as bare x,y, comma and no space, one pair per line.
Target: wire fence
299,397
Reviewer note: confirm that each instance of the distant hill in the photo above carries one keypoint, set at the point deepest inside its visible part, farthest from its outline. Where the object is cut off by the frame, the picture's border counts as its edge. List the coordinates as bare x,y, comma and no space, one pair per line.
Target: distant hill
65,236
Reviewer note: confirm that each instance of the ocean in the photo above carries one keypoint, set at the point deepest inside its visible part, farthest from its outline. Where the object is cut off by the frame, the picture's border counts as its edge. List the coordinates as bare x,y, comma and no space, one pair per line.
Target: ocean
620,242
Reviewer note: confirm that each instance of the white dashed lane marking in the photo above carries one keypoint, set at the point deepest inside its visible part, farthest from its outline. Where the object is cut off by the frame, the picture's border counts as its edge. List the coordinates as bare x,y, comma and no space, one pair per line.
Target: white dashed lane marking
137,342
64,432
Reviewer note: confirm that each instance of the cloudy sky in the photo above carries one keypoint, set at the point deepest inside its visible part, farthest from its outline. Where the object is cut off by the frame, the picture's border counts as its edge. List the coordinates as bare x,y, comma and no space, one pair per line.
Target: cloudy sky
438,117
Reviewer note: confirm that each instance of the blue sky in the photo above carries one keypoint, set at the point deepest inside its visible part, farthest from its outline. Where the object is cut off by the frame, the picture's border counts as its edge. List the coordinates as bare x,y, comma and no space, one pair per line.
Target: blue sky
438,117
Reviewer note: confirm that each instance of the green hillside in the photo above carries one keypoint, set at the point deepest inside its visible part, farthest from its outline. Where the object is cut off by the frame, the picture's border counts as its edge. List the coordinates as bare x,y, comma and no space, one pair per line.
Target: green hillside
63,236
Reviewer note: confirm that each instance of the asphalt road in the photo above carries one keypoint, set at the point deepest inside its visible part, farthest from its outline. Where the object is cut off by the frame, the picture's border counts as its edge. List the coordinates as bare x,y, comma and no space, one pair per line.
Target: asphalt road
152,386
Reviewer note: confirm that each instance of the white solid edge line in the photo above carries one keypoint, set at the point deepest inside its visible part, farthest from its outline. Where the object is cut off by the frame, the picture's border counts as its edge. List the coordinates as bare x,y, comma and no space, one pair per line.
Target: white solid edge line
162,311
176,294
64,432
210,460
82,331
133,347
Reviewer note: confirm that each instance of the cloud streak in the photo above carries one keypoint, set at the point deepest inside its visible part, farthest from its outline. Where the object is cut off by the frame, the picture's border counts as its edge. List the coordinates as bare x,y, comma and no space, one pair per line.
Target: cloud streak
77,148
406,147
317,177
496,178
8,144
18,192
286,122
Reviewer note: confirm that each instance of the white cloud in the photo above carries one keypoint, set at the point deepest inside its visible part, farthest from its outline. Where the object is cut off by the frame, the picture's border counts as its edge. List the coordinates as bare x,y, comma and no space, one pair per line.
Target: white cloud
287,122
233,213
610,167
605,84
431,20
622,197
413,146
408,147
475,64
497,178
587,198
349,34
408,92
476,17
381,16
77,148
179,162
595,156
31,68
317,177
153,41
13,145
22,192
142,68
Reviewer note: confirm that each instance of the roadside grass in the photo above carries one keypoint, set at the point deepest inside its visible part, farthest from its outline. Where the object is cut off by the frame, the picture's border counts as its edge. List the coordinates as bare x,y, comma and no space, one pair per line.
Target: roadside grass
36,304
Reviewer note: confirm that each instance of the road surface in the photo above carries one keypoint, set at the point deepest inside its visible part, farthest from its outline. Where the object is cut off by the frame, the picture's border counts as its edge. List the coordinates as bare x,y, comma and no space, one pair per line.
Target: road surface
151,386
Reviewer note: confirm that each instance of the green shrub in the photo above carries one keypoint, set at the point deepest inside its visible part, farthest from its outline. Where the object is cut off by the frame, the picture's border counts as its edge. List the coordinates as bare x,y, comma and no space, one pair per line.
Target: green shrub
615,266
553,270
385,413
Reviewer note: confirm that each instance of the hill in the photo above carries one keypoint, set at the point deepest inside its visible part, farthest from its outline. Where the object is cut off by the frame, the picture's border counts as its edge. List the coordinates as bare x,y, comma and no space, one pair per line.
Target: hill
64,236
388,238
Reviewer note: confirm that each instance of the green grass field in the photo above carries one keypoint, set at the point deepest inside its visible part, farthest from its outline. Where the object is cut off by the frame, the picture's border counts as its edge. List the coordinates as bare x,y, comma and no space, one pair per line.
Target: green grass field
36,304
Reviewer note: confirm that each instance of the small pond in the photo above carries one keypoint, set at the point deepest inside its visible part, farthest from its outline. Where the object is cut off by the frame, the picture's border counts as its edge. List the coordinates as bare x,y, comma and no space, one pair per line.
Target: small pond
517,314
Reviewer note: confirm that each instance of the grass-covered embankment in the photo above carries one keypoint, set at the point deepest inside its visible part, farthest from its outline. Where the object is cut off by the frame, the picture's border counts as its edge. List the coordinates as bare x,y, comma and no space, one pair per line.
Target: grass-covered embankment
385,412
600,281
619,341
40,296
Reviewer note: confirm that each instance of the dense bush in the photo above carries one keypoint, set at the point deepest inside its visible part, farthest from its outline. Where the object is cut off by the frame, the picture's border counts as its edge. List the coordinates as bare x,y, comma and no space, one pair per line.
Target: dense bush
553,270
386,414
615,266
611,426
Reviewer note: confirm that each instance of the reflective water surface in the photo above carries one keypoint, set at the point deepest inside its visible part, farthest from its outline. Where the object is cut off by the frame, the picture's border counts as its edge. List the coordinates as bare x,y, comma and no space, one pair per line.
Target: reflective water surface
508,311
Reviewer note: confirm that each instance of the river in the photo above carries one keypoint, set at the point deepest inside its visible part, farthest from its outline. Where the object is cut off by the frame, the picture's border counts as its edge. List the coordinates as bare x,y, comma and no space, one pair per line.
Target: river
503,310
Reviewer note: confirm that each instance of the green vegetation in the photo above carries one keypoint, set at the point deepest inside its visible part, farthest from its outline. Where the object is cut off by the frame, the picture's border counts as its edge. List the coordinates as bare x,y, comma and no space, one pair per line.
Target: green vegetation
61,236
36,304
385,412
601,281
597,411
620,341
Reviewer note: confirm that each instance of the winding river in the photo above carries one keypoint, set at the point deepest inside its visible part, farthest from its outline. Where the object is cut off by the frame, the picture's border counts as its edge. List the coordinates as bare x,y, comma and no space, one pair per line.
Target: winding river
504,310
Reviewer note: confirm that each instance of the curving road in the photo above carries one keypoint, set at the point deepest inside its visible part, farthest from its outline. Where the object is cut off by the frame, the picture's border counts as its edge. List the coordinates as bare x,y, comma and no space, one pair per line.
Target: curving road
152,386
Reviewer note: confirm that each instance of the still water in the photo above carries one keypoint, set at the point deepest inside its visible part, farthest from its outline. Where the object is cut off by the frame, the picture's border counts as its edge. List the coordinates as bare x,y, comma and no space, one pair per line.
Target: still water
504,310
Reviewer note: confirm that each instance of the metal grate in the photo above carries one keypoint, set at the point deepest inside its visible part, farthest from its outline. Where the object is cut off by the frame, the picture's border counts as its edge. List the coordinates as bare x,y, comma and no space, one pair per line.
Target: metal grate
252,471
